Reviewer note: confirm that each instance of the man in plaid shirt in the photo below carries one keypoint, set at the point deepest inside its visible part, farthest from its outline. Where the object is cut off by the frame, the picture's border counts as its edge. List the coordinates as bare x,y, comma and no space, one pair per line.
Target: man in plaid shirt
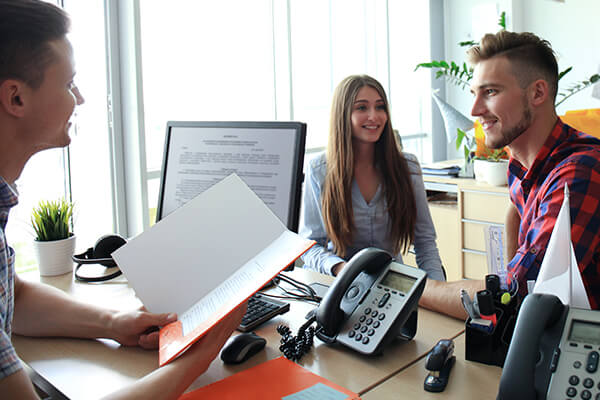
514,84
37,98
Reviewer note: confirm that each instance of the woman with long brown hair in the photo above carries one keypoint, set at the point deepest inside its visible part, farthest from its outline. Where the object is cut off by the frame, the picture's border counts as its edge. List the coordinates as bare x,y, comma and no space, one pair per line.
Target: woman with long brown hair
364,191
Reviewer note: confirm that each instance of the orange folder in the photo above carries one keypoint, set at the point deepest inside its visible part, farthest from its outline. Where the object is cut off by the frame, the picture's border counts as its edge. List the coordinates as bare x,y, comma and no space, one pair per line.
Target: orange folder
274,379
280,254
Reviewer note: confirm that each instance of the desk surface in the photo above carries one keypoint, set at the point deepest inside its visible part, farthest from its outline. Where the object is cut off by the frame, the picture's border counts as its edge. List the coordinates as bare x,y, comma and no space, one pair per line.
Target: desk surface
468,380
92,368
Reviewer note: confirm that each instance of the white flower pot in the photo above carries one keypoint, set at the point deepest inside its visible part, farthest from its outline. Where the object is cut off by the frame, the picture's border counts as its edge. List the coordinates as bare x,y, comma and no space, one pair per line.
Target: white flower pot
55,257
492,172
479,168
497,173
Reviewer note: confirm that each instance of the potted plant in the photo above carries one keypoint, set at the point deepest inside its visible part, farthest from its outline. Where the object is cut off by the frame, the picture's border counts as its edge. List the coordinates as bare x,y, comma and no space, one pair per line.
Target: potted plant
460,75
54,243
492,167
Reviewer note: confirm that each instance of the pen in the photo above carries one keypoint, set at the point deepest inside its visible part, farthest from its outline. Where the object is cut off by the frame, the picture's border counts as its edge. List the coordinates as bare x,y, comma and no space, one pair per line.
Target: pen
486,305
492,283
468,304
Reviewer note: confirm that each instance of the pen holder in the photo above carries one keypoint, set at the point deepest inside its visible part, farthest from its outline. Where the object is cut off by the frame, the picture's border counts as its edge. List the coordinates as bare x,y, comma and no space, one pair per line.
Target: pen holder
485,347
491,347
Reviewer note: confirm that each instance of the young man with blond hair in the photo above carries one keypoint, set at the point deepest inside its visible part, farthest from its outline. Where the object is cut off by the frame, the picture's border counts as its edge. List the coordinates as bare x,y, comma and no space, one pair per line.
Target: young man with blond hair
515,82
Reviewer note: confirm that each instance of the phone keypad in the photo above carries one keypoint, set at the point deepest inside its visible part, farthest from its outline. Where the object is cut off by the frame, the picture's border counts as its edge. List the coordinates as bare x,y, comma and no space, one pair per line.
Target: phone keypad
365,327
580,384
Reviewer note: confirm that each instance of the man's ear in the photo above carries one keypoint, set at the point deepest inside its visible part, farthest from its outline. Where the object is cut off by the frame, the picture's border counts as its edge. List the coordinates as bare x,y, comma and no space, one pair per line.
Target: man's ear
12,94
539,92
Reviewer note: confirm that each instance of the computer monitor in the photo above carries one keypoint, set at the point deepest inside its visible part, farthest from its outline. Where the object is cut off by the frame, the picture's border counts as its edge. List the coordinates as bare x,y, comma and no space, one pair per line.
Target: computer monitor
267,156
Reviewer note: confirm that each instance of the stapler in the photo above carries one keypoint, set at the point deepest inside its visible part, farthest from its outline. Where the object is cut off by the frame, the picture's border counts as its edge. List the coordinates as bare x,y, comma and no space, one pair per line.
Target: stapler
439,362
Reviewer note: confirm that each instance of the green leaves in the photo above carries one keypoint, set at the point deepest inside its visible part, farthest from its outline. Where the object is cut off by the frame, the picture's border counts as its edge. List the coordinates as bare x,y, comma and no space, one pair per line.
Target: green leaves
51,220
460,75
563,73
494,155
502,20
469,146
576,87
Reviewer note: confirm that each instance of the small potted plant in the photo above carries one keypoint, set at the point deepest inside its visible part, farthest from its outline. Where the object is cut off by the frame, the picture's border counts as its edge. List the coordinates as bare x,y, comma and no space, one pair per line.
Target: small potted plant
492,167
54,242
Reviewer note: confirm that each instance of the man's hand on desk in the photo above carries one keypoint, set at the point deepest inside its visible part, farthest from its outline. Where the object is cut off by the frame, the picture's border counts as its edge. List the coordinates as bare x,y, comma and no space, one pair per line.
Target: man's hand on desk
138,328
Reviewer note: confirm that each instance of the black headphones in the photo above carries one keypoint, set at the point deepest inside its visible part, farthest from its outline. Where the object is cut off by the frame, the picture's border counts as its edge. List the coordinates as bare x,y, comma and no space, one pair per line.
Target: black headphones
100,254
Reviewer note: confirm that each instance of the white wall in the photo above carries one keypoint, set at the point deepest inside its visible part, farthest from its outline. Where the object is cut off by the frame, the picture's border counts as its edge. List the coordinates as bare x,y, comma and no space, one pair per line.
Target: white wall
571,26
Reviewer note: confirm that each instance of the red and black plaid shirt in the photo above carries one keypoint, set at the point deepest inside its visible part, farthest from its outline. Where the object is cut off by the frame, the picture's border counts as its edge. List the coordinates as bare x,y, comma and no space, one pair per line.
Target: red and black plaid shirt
568,157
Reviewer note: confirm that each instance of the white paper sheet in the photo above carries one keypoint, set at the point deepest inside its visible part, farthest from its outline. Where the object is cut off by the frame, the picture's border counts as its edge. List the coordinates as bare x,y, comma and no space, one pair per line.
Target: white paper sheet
185,256
559,274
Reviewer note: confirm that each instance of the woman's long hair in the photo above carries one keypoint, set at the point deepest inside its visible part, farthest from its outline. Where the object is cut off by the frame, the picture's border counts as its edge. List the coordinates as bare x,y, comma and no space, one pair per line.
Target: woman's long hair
337,189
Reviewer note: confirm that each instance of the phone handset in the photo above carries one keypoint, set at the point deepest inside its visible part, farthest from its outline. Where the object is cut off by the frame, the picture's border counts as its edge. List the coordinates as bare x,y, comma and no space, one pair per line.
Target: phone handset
347,290
537,316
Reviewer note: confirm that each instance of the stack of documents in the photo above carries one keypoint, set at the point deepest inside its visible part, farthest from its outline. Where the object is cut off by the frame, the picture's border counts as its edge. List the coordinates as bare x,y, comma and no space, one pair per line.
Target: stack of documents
442,168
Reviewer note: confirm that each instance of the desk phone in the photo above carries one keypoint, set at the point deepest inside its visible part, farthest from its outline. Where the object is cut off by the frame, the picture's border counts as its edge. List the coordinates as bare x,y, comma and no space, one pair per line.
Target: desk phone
554,352
575,361
372,301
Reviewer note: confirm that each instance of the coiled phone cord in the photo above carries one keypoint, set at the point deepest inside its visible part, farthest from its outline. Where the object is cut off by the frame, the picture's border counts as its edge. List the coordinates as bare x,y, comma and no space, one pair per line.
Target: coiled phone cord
294,347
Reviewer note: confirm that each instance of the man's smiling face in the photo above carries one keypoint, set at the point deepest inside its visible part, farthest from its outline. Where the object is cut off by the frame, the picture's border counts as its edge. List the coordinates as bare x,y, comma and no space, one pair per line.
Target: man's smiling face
500,103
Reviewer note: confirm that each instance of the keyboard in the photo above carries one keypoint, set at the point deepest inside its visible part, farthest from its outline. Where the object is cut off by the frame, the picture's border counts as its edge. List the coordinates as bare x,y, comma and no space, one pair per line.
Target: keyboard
260,310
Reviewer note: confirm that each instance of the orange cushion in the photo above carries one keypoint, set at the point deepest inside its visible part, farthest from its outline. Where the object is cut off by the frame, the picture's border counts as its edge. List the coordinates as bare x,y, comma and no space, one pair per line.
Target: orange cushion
587,121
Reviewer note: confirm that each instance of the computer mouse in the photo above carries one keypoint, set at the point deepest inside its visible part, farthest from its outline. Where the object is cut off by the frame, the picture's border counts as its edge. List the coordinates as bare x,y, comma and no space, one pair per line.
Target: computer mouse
241,347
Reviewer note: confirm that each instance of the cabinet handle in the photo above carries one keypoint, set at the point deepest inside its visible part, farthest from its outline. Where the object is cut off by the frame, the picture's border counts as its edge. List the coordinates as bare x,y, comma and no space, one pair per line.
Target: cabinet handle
478,252
474,221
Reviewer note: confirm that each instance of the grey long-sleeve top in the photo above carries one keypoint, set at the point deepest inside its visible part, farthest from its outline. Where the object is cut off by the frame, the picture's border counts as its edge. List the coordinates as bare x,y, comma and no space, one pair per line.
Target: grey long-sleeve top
371,221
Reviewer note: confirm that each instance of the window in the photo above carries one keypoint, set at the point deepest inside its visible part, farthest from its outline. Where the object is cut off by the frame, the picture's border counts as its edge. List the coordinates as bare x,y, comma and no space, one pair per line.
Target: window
198,60
275,60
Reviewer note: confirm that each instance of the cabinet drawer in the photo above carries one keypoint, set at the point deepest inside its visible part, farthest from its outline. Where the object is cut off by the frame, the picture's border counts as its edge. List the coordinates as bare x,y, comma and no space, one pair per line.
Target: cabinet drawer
485,206
475,265
474,235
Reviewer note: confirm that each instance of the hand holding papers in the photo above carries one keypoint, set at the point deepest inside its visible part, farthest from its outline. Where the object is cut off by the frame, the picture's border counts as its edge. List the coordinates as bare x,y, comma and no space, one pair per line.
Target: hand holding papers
206,258
559,274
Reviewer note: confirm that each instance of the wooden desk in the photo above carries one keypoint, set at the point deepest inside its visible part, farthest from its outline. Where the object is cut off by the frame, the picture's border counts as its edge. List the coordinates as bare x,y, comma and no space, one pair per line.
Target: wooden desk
468,380
91,368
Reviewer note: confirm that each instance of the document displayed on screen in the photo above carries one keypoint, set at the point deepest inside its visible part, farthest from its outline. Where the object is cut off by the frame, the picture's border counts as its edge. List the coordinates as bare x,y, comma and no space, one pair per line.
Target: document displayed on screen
199,157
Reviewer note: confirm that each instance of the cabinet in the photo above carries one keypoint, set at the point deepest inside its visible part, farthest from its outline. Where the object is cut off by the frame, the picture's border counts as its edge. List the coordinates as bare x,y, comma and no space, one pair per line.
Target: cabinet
461,209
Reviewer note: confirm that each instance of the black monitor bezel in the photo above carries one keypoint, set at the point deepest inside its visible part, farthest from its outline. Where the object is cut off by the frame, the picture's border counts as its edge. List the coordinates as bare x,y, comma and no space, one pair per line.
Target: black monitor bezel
297,162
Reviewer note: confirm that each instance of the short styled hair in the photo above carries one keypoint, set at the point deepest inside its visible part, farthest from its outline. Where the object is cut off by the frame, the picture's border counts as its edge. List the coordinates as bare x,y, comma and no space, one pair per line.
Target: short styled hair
531,57
26,29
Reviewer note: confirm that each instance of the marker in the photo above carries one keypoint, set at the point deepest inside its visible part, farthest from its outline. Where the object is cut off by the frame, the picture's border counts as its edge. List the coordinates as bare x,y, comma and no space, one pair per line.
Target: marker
505,298
492,283
486,305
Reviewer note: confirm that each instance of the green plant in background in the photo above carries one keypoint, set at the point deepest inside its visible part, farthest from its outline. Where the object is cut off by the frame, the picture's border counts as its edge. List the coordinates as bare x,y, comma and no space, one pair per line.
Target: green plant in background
494,155
52,220
460,75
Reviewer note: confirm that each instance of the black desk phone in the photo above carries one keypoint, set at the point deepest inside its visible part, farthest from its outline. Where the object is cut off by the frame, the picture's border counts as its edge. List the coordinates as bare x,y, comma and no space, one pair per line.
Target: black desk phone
553,353
371,302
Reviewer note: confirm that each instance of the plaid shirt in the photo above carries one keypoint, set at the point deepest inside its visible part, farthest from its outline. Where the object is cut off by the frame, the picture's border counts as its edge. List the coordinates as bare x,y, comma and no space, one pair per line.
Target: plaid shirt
568,157
9,362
